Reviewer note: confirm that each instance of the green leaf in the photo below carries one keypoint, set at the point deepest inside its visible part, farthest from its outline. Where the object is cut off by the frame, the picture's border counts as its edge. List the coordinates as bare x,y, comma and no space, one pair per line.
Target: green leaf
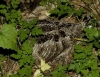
8,6
25,24
7,15
37,31
78,48
28,31
8,35
14,75
88,49
15,3
96,44
62,67
14,14
88,63
79,12
2,6
43,3
21,72
95,73
12,20
98,52
79,56
22,34
55,11
91,33
19,12
33,40
3,11
22,61
60,71
16,56
85,72
71,67
29,72
32,23
26,47
94,64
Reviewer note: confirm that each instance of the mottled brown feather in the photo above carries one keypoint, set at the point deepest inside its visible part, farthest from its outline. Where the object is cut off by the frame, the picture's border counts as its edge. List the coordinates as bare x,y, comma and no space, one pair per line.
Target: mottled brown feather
56,44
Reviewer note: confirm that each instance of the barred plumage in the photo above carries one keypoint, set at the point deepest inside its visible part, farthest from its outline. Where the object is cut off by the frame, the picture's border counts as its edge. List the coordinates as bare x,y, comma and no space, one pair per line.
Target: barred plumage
56,44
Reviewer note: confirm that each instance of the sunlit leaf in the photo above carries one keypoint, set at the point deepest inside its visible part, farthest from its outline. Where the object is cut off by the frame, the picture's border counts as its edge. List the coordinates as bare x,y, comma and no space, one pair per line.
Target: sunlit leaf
44,66
38,73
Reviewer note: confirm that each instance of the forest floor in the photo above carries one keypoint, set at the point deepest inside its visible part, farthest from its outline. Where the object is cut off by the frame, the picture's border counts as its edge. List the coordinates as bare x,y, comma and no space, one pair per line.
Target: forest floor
41,13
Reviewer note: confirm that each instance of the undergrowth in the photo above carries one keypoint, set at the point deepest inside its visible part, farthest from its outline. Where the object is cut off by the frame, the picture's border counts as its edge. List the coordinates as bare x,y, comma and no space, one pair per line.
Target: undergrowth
19,36
86,55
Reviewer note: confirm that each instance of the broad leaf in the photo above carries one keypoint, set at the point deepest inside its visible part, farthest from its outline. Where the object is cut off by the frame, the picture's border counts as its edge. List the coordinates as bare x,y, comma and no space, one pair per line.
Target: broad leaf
8,37
44,66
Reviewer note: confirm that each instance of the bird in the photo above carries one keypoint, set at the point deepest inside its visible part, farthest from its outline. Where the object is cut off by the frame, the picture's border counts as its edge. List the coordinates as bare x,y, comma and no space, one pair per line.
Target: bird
57,42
